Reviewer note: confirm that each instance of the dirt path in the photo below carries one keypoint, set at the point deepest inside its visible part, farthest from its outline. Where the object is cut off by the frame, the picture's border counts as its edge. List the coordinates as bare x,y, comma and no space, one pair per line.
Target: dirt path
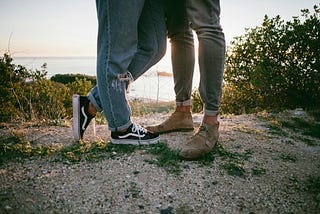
258,168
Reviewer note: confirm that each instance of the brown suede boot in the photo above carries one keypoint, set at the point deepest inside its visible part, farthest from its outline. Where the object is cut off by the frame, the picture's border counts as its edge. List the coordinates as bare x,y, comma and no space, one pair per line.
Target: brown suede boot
178,121
202,142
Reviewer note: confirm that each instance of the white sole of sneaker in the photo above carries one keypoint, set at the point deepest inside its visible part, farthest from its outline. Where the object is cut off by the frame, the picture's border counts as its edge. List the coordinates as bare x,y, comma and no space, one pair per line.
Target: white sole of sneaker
135,142
76,116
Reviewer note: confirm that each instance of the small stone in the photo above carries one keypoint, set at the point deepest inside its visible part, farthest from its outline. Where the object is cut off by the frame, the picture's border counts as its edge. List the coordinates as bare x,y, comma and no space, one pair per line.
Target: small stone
168,210
7,207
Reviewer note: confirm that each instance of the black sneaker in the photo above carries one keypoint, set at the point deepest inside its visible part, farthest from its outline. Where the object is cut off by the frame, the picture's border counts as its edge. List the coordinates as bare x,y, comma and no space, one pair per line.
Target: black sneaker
81,117
135,135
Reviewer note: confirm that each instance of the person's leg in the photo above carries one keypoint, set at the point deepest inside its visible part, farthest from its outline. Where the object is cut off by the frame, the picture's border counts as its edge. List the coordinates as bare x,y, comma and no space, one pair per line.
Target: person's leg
151,38
205,18
117,44
182,57
182,50
151,44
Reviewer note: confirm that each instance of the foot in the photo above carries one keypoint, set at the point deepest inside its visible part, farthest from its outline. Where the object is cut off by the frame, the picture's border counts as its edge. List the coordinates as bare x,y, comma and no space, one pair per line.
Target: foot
135,135
178,121
202,142
81,116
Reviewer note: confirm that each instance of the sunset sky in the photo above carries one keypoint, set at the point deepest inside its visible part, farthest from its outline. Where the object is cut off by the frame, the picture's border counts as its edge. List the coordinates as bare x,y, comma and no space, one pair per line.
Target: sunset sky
69,27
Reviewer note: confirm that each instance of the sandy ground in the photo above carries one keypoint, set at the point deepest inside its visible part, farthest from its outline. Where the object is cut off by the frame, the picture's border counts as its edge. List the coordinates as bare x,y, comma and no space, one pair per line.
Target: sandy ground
275,176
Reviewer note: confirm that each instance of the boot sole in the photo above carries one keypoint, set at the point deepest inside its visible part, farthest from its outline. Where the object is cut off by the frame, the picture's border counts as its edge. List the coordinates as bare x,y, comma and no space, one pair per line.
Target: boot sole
135,142
176,130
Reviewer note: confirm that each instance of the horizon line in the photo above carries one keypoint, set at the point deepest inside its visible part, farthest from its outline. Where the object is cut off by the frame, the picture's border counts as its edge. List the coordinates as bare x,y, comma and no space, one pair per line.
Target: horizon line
58,56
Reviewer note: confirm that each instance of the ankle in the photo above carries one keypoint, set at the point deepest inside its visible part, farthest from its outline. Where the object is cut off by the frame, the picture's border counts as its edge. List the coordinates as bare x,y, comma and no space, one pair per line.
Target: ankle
91,109
183,108
210,120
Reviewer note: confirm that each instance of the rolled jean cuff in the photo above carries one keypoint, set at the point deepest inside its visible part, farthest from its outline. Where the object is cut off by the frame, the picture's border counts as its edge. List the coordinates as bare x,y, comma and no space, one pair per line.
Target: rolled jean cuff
183,103
120,128
211,112
94,102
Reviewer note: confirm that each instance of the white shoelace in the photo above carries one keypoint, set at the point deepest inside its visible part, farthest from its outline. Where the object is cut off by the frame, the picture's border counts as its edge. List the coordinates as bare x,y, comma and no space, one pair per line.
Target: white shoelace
139,129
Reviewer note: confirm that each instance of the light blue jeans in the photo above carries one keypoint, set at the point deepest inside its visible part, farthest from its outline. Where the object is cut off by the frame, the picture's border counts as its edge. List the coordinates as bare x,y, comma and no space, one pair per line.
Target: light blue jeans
202,16
131,38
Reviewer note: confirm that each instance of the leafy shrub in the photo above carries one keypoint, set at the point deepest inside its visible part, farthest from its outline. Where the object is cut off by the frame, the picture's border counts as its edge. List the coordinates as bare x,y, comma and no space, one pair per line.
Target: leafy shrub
49,100
80,86
10,75
274,66
197,104
28,95
70,78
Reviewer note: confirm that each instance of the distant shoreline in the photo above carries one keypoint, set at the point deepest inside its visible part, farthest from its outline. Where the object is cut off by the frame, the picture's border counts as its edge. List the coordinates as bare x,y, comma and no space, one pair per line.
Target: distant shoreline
157,83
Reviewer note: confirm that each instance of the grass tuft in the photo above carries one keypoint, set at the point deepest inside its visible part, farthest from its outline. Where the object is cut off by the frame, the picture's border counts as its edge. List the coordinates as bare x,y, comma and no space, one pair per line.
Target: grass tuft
233,162
304,129
12,148
288,157
234,168
313,185
258,171
165,158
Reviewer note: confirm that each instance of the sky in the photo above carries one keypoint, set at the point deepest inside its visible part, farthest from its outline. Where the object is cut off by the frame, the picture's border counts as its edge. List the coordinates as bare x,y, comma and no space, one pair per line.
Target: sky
69,27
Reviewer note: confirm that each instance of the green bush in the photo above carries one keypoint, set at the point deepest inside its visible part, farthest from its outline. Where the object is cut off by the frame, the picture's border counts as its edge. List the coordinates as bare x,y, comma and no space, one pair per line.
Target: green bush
80,86
50,100
274,66
28,95
70,78
197,104
10,76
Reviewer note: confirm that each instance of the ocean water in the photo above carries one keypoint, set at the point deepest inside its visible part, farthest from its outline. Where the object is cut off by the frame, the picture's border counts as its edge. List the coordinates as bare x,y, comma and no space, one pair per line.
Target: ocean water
60,65
149,86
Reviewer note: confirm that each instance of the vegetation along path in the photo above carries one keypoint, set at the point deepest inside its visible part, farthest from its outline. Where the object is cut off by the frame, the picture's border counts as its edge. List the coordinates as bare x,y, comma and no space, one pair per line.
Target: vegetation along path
264,163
